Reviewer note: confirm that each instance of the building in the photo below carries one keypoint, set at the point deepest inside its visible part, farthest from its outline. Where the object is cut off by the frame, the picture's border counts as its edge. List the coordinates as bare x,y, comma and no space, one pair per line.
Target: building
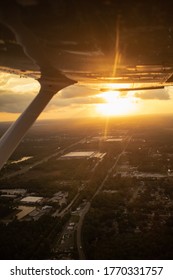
32,199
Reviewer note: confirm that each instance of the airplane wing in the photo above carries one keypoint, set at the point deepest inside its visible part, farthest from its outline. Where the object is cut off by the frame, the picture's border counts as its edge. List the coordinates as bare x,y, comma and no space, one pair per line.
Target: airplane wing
123,44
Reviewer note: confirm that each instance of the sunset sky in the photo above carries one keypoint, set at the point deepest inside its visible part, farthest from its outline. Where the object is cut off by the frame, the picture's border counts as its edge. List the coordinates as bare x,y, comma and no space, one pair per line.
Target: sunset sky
93,40
80,101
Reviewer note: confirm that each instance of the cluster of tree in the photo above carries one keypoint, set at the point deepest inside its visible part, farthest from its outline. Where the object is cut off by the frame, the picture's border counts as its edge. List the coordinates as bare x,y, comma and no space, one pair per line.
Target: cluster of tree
5,210
107,235
129,246
28,240
117,228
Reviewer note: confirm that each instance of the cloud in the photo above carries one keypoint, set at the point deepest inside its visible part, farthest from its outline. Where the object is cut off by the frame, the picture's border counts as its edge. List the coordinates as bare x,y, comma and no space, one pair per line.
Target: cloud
13,83
76,91
153,94
16,94
63,102
14,103
17,102
75,95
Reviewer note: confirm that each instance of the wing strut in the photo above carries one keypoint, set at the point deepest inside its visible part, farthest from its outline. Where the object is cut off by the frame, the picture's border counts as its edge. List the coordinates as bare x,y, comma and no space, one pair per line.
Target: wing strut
18,129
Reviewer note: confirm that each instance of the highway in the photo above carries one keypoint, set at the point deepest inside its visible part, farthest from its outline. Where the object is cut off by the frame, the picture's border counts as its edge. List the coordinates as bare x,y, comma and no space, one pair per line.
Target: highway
111,169
88,205
79,231
65,210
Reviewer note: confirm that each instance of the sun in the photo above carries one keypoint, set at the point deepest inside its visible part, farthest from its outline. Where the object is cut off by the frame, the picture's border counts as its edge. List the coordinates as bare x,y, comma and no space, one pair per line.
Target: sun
115,105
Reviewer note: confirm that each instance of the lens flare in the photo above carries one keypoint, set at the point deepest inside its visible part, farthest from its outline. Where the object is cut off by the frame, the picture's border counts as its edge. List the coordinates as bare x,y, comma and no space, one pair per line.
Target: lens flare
115,105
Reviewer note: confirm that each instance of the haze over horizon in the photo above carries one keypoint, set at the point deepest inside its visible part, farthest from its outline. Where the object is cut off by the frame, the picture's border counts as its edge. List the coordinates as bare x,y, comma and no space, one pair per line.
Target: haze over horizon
77,100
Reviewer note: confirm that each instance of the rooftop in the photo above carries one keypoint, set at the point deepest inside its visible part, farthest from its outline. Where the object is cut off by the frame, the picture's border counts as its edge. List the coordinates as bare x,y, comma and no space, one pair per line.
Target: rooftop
31,199
78,154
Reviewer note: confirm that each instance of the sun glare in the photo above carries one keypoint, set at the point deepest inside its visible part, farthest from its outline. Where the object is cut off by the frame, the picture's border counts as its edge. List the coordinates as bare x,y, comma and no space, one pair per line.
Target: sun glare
115,105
